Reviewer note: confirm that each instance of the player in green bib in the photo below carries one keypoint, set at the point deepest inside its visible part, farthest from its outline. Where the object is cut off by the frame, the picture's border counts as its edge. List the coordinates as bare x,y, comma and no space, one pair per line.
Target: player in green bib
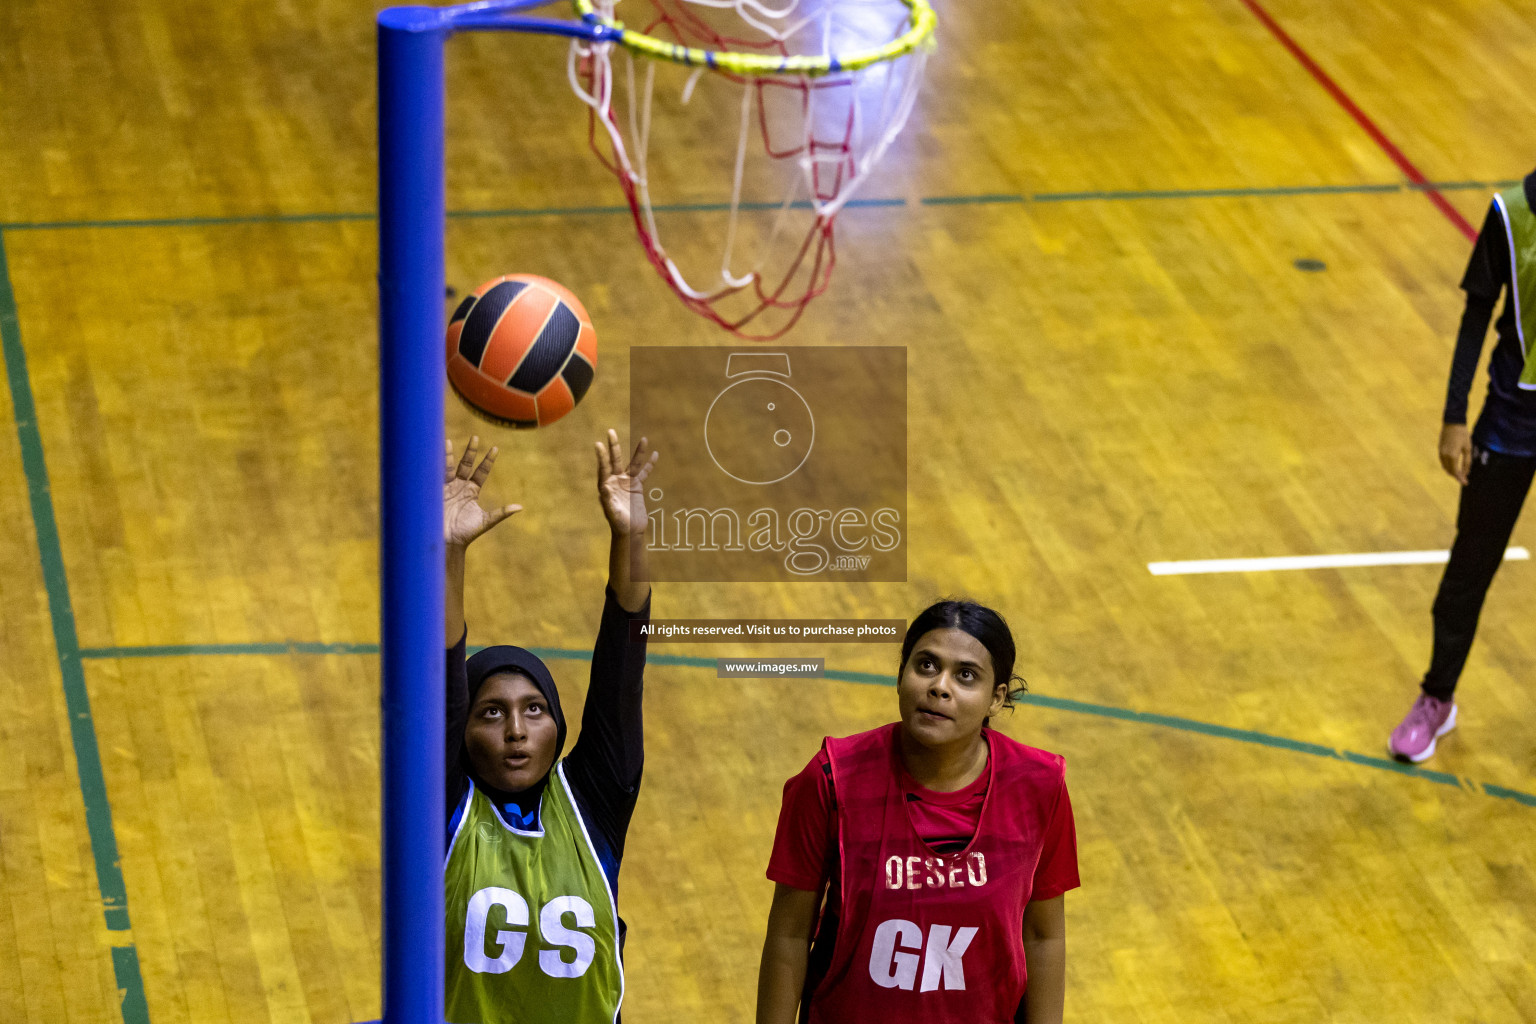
1494,462
535,840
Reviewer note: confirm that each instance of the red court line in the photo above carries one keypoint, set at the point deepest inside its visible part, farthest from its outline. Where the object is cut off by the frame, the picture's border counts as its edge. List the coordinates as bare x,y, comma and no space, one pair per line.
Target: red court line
1404,164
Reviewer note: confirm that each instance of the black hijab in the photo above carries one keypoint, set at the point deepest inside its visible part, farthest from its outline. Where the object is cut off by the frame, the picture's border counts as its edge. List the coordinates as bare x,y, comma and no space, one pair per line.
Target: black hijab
484,664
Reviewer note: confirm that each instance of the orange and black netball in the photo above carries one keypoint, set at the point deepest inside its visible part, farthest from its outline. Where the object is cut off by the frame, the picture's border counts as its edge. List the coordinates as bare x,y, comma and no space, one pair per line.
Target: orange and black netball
521,350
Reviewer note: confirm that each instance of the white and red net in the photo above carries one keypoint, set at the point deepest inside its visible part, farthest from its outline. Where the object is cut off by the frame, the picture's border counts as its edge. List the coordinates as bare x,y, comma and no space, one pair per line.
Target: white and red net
803,144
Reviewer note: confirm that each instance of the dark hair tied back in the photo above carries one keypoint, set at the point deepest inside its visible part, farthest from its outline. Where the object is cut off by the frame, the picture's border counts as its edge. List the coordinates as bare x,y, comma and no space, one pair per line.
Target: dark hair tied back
978,621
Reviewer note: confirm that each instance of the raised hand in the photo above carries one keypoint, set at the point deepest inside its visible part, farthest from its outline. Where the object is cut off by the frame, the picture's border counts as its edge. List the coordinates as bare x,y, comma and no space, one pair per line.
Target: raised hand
622,490
464,519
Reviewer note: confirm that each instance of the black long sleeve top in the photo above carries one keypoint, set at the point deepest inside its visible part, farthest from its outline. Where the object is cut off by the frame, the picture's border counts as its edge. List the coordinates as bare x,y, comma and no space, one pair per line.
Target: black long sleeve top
605,765
1508,420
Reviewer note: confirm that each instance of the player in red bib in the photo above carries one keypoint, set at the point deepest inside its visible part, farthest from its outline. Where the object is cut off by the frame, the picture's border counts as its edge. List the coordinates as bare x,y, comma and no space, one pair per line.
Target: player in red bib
920,866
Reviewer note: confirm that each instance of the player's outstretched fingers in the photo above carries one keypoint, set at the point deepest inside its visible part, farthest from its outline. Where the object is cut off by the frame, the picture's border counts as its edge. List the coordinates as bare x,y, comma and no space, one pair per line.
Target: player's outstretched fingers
645,469
466,467
637,459
604,463
448,470
615,450
484,469
496,515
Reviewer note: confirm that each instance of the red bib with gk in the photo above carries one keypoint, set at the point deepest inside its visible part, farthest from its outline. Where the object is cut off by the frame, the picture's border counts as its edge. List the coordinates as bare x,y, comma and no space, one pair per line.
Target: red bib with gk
931,938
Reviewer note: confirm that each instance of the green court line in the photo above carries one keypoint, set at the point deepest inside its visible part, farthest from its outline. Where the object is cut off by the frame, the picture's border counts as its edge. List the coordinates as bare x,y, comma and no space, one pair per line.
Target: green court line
962,200
194,650
1451,186
505,212
1217,193
986,199
185,222
874,679
572,211
1213,193
82,730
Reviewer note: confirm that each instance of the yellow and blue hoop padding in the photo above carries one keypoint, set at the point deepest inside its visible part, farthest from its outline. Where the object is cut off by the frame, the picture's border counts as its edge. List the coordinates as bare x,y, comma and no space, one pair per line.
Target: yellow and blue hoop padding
920,28
500,15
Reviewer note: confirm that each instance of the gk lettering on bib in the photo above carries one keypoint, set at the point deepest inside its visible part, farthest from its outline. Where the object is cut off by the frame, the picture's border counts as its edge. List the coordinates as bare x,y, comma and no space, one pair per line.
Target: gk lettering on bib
942,958
922,937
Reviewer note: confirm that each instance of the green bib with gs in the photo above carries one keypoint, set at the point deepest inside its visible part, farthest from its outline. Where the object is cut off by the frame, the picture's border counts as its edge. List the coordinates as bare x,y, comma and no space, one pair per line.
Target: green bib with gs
1520,226
531,926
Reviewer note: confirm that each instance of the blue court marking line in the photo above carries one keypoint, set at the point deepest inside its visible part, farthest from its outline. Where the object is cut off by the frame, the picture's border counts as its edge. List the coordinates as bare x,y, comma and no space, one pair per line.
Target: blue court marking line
873,679
855,204
82,730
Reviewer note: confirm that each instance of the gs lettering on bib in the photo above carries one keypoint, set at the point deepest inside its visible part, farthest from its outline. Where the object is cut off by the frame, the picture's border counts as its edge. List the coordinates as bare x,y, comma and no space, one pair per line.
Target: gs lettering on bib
922,937
532,930
510,943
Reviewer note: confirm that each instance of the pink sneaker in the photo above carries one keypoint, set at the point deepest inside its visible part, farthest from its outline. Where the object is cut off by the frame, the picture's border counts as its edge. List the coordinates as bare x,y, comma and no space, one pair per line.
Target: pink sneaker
1428,720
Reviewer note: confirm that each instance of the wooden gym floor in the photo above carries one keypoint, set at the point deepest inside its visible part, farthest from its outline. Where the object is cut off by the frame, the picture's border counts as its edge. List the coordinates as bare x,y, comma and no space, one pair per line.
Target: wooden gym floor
1114,360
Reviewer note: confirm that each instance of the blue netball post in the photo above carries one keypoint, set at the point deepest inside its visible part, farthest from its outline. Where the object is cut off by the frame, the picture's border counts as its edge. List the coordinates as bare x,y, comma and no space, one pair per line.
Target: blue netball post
411,273
412,367
411,289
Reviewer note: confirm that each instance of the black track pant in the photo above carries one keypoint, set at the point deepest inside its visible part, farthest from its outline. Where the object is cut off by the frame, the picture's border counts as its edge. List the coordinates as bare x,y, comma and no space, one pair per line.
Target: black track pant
1490,504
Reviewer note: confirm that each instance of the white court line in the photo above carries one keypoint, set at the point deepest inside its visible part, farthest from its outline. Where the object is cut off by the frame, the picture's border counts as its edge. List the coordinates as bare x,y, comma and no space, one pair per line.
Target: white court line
1314,562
